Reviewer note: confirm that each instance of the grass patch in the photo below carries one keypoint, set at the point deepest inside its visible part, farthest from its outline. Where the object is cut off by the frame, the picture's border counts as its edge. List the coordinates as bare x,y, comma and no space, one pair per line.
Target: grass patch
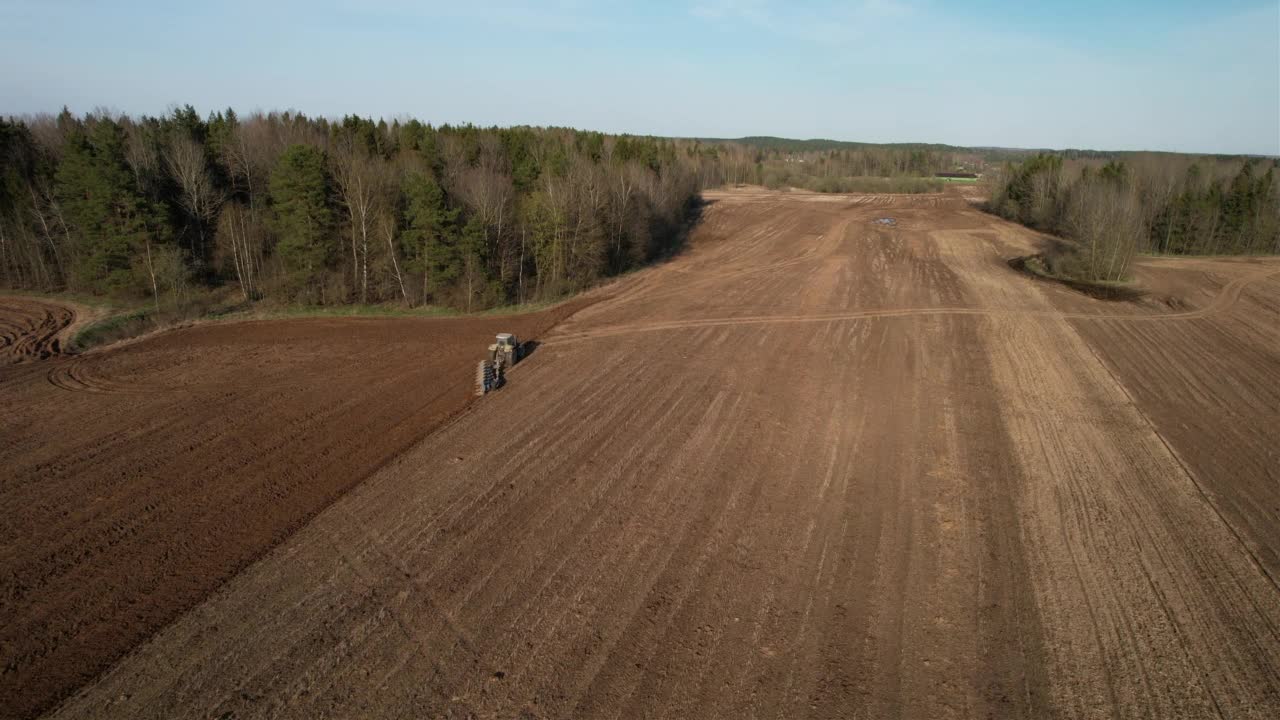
268,312
284,312
134,323
1037,267
898,185
113,328
1241,256
782,178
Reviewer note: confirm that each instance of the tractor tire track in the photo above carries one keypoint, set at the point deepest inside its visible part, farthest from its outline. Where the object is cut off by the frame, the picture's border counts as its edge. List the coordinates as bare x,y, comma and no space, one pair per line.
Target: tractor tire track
32,330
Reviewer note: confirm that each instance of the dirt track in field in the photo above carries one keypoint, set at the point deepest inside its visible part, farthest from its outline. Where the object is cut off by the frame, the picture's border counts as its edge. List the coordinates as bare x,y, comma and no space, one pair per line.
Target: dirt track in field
32,329
815,467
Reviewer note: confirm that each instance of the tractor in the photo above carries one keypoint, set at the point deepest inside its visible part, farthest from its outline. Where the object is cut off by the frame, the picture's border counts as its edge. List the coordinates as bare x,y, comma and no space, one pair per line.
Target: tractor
504,353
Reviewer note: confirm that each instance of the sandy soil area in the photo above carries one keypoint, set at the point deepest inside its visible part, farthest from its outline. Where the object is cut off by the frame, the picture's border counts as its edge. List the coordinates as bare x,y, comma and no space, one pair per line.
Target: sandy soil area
817,466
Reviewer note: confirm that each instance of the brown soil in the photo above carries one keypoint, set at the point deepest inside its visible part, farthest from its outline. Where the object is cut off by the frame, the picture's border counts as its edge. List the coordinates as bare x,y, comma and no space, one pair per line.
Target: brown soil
815,467
1211,386
139,479
32,329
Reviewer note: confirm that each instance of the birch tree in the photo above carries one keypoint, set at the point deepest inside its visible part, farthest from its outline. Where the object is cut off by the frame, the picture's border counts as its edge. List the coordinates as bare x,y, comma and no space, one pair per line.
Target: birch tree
359,180
200,197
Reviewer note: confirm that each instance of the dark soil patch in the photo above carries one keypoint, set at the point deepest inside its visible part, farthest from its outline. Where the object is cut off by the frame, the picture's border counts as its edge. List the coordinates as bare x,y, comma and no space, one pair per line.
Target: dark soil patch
137,480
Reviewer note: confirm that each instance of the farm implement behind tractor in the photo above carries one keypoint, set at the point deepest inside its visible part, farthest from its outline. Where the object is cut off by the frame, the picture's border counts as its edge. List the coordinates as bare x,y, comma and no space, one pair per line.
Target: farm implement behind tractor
503,354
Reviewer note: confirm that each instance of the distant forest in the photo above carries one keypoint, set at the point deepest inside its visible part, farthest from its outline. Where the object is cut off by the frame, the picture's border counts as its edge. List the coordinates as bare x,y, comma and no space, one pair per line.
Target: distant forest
1144,203
986,154
328,212
308,210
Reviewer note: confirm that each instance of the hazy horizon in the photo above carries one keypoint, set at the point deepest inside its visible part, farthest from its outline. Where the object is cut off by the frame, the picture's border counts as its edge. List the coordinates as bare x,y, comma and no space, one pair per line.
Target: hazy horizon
1175,77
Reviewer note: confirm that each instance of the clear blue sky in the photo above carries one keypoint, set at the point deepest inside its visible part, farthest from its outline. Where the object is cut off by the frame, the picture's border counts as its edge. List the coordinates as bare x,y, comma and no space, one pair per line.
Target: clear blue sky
1166,75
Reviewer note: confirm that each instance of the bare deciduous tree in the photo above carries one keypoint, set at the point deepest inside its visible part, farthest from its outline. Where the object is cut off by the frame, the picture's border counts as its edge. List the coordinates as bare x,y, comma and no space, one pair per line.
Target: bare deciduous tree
200,197
361,181
239,236
249,153
1105,221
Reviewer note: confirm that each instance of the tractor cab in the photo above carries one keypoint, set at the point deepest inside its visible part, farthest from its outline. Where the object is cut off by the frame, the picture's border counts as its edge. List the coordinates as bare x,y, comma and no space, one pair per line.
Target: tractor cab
503,353
507,347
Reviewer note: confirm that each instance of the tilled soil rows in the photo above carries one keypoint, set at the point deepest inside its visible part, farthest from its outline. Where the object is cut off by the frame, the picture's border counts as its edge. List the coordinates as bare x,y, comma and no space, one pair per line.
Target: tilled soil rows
820,465
32,329
137,480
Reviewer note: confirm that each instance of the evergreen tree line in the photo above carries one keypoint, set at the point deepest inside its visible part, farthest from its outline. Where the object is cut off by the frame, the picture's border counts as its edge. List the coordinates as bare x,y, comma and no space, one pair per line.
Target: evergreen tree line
308,210
1158,204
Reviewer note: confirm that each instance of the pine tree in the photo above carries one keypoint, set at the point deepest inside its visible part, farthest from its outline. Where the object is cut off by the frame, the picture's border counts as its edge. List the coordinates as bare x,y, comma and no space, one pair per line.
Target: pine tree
430,233
115,228
302,218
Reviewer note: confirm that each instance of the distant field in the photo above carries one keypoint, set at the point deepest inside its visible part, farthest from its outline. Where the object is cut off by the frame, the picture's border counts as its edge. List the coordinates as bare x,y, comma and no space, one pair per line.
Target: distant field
872,184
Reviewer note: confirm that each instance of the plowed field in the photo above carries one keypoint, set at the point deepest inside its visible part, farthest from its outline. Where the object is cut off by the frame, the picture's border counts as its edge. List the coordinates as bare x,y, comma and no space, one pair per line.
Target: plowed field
817,466
136,481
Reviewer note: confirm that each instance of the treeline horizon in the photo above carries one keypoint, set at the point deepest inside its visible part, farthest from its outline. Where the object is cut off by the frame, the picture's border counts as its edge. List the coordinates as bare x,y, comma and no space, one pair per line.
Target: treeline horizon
314,211
297,209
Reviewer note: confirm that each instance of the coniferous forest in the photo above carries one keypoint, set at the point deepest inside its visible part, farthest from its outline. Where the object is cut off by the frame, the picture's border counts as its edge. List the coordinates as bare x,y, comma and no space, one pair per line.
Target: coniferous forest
305,210
319,212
